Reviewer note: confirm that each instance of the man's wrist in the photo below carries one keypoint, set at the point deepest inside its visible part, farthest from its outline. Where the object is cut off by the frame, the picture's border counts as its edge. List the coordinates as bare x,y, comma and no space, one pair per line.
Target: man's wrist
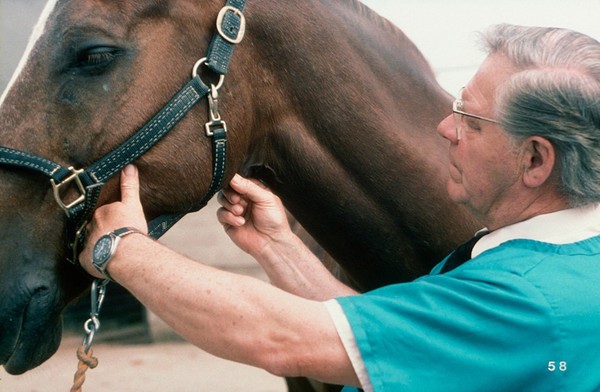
106,247
275,250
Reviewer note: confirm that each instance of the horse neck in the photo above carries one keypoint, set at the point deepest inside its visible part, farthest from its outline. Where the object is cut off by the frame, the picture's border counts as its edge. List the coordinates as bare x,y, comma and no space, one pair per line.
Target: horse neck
351,137
335,74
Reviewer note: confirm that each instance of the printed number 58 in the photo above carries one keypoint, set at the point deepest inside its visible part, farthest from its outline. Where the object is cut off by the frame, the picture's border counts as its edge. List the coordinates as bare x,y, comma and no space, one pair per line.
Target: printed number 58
561,366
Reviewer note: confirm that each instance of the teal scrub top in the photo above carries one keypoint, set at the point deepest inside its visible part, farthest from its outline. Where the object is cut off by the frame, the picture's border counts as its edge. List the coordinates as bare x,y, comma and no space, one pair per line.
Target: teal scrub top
523,316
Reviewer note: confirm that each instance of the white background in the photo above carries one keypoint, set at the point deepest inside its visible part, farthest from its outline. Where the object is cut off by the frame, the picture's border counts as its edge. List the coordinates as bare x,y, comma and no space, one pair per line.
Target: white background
446,31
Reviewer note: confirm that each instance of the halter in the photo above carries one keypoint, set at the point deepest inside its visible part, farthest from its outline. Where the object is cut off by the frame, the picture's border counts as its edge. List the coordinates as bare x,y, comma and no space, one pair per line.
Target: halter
89,182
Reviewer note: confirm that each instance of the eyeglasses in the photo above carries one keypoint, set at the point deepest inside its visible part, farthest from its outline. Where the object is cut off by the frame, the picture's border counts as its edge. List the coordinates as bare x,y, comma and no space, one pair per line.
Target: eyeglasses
459,115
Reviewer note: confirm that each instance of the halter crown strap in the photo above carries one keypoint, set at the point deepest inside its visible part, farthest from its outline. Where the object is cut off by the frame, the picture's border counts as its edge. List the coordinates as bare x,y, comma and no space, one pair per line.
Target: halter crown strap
231,26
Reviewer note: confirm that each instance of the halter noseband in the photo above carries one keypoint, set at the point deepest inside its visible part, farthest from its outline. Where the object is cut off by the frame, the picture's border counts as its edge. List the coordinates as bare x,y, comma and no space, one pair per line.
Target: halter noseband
89,182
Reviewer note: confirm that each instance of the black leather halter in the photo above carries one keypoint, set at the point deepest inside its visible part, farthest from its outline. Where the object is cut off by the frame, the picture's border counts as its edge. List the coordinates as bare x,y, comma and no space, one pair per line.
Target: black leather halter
89,182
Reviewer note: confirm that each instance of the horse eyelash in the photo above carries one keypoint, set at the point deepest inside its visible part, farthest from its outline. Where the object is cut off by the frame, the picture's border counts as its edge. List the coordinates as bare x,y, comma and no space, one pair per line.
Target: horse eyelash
95,57
99,58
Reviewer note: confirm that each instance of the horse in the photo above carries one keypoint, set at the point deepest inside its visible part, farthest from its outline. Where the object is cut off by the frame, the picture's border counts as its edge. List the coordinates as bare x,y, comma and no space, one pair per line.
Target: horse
326,102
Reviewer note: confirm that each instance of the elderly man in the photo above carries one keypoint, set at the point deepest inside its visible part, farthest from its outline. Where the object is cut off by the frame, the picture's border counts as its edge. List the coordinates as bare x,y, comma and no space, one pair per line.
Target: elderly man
522,314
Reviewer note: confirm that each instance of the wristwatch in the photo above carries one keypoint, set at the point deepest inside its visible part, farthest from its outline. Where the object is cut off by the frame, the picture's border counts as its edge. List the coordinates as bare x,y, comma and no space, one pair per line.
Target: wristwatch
106,246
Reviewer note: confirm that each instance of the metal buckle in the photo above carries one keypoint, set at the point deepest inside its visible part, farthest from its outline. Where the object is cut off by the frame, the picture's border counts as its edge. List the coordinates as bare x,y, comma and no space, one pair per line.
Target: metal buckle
79,237
214,124
56,188
213,112
242,30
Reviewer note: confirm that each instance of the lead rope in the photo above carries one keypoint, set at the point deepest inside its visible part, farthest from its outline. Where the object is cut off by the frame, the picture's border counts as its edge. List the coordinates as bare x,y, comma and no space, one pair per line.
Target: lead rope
85,354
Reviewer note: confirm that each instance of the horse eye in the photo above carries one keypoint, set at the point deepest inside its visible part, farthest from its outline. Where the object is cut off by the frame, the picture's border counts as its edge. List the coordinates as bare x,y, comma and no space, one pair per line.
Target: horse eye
96,59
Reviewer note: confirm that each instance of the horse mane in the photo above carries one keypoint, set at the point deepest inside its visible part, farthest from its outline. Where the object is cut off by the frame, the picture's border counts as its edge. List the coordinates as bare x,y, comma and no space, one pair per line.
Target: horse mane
375,18
386,27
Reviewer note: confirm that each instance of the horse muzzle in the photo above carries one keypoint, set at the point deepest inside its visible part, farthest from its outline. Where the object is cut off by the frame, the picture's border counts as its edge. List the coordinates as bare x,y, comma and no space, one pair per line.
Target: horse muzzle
30,322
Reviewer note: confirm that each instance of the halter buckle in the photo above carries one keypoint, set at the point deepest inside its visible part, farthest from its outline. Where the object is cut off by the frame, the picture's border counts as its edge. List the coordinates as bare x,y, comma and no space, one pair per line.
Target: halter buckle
242,30
58,188
213,111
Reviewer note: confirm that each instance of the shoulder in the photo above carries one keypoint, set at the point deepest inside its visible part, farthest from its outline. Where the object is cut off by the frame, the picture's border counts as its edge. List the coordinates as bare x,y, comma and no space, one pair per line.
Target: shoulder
479,316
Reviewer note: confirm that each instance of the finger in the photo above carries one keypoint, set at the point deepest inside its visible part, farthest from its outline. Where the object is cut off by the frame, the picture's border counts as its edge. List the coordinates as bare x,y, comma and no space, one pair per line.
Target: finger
230,196
237,207
254,190
229,219
130,185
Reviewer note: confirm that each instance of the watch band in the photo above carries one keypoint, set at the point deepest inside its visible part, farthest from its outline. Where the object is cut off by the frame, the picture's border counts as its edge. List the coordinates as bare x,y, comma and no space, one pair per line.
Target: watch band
116,235
123,231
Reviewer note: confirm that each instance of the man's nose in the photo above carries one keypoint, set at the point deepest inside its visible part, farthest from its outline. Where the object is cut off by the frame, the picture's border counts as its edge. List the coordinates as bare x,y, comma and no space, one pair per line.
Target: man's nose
447,129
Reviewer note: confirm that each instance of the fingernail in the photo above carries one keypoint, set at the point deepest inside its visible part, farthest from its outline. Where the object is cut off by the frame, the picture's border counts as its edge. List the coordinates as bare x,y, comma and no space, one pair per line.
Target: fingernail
129,170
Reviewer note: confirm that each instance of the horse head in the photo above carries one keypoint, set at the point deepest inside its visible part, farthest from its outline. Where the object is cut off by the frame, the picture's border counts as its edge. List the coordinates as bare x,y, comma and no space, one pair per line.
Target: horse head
94,73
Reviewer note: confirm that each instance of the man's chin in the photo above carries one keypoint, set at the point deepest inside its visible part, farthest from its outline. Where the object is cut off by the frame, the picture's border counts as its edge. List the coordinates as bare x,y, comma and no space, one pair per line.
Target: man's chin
456,192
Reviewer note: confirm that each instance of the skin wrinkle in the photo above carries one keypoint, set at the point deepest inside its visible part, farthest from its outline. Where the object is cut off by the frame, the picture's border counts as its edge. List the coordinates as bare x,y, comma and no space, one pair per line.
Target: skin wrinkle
492,195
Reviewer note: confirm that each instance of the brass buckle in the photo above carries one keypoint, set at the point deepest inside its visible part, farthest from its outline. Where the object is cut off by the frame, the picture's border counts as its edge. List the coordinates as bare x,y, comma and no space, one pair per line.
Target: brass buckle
57,188
241,32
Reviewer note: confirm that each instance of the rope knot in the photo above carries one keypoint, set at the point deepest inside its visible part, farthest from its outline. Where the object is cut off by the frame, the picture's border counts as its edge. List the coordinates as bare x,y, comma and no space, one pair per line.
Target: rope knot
86,361
87,358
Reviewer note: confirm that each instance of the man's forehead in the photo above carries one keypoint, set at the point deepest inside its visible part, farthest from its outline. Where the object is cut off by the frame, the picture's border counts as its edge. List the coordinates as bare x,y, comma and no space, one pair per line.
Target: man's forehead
480,92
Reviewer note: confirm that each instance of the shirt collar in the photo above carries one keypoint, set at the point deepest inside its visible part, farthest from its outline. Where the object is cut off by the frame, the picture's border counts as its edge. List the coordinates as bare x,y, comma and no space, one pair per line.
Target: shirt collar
560,227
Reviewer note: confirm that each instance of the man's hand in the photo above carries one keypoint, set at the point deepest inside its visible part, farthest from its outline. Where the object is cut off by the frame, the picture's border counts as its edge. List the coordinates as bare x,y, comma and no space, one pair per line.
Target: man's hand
252,215
126,213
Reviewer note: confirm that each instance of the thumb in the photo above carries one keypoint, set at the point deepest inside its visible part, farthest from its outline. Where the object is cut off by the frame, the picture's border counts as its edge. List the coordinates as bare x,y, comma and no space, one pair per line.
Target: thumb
130,185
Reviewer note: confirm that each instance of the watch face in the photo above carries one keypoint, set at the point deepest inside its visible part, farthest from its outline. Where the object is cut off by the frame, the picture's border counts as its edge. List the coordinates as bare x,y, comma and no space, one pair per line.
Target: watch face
102,249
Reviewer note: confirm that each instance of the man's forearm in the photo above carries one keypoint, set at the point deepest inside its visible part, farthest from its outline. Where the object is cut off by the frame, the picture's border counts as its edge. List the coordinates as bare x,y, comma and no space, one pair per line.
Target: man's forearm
233,316
292,267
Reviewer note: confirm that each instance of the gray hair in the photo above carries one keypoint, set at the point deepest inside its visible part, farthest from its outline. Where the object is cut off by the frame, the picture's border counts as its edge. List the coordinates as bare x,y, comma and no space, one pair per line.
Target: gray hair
556,95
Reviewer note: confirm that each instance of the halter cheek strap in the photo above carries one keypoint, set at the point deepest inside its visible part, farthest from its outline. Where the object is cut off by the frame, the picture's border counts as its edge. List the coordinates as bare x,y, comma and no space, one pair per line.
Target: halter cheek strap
89,182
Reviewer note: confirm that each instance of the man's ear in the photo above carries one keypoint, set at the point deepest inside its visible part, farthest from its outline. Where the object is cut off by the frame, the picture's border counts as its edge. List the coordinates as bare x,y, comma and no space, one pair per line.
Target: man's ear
538,161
